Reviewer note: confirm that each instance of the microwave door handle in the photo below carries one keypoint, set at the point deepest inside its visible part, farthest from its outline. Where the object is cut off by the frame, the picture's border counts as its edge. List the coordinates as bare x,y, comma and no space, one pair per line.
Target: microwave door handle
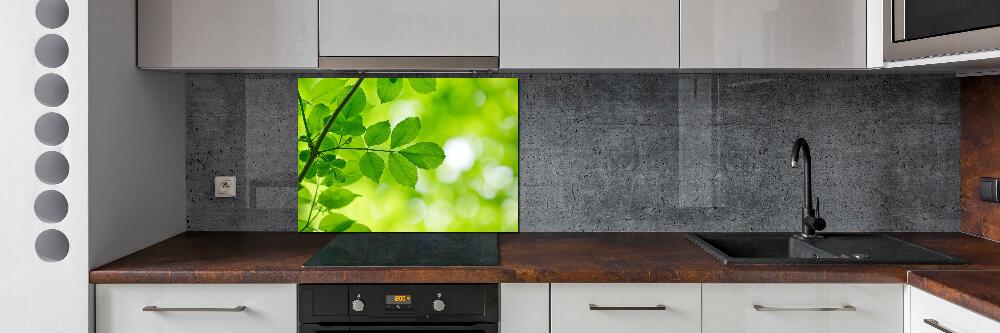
898,17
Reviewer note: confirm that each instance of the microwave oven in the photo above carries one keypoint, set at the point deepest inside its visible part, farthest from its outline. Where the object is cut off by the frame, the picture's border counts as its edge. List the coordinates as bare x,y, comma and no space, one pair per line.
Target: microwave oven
915,29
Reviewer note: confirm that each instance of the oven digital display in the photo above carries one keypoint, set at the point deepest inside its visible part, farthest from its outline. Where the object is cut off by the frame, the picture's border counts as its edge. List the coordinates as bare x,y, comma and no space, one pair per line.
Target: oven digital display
398,299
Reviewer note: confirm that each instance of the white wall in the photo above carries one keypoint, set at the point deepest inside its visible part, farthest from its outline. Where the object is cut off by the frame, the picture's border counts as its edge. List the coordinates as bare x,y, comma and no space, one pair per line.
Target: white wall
38,295
125,150
137,188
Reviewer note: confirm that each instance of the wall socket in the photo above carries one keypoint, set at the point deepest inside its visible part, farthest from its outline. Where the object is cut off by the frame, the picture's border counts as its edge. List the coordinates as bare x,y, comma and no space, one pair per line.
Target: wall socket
225,187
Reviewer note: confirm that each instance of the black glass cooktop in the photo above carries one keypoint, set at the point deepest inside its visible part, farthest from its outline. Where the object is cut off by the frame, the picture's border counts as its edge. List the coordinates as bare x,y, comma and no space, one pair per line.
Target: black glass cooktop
409,249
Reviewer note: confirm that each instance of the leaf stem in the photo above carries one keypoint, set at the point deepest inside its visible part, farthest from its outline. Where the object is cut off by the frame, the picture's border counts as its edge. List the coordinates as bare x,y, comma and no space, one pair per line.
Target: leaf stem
364,149
312,206
314,150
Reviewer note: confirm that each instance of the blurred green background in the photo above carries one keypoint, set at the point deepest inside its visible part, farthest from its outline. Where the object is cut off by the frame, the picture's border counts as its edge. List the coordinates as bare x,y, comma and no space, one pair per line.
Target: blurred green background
474,188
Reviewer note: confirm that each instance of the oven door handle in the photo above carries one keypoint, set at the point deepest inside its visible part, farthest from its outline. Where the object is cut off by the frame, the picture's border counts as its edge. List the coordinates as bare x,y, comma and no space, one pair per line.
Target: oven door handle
315,328
481,327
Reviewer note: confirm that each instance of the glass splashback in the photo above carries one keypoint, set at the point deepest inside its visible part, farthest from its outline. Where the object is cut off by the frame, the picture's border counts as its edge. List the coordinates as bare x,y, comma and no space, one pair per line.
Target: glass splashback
407,155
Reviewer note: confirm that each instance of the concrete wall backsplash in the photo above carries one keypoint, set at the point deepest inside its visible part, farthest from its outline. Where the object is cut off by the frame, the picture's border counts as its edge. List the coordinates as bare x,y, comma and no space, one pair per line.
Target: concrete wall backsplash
640,152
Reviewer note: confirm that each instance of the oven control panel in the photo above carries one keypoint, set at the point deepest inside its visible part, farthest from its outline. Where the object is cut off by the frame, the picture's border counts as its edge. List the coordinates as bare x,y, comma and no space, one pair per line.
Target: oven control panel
398,303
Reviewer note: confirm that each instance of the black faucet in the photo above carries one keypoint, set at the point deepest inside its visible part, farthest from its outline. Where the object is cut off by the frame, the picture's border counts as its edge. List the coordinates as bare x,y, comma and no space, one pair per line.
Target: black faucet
810,221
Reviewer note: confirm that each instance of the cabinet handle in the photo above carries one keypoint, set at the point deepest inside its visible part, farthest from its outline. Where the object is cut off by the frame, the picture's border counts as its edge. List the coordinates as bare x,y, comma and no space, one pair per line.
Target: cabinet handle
848,307
935,324
660,307
154,308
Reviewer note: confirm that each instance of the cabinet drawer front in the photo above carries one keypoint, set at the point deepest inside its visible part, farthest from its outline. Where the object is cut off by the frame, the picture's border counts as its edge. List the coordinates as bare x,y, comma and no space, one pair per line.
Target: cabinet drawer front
407,28
195,308
944,314
621,307
818,308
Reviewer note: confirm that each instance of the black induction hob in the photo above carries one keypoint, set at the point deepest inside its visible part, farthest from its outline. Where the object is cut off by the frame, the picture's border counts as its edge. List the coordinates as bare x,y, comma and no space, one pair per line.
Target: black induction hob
409,249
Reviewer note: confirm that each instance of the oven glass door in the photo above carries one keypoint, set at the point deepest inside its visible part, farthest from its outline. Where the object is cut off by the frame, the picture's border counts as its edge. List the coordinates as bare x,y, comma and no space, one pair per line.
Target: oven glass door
916,19
476,328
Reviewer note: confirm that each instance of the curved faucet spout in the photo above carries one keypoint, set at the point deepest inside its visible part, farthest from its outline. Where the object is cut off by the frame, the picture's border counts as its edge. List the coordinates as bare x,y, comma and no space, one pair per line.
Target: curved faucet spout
810,222
807,188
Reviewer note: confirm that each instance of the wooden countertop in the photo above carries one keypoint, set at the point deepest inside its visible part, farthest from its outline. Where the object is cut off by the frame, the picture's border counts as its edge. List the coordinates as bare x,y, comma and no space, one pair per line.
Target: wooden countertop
978,291
277,257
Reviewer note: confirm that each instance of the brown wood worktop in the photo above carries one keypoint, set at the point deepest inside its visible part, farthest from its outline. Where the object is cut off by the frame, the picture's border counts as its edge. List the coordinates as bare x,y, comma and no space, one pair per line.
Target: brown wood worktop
978,291
277,257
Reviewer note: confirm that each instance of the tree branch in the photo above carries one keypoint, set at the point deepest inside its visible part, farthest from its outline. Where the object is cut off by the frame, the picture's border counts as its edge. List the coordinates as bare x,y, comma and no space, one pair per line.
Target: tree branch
302,110
314,150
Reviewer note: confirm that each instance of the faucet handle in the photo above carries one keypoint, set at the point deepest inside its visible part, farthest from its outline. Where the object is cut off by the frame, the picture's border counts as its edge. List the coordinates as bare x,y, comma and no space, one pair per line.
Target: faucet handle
817,206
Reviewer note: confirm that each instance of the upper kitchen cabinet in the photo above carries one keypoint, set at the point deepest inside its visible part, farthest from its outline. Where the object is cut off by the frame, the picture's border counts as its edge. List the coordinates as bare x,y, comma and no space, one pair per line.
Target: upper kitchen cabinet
780,34
589,34
408,34
205,34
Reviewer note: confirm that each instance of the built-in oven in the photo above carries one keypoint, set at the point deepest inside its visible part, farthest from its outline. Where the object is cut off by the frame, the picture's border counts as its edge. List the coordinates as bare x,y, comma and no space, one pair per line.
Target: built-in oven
928,28
386,308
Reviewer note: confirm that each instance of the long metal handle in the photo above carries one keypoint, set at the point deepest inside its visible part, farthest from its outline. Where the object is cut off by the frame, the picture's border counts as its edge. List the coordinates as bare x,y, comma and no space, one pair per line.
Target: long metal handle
935,324
240,308
848,307
658,307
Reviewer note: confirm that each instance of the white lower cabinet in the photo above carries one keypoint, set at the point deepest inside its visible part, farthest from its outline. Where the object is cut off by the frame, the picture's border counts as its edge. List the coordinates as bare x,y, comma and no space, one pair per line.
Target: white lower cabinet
625,307
196,308
524,307
816,308
930,314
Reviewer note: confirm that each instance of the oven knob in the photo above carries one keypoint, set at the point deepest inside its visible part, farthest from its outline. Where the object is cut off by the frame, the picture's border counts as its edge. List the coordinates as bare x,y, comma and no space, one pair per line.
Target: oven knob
438,305
358,305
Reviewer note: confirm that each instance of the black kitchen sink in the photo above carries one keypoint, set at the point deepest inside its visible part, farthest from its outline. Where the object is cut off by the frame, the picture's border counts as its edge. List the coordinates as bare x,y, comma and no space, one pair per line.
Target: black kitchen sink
837,248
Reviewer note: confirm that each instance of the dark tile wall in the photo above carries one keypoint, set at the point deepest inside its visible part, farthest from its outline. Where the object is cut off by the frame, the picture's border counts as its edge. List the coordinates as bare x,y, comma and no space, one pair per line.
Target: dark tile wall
641,152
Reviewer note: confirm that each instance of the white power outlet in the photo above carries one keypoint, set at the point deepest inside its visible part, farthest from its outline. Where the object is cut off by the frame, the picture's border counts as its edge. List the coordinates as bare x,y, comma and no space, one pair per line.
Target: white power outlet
225,187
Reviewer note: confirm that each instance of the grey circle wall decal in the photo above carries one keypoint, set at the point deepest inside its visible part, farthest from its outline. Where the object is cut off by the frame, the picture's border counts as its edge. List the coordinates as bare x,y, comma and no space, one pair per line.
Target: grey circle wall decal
52,13
52,245
51,90
51,129
51,206
52,167
51,51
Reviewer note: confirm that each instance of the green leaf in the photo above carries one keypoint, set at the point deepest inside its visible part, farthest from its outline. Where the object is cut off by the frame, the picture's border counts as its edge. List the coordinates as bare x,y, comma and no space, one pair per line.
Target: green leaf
304,155
352,126
319,168
355,106
424,155
336,198
388,89
423,85
402,170
335,223
316,119
377,133
405,132
302,224
305,195
358,227
337,175
327,91
339,163
371,166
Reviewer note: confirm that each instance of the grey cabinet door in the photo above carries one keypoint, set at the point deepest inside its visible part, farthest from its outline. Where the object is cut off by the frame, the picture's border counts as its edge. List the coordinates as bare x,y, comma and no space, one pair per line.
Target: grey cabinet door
228,33
408,28
589,34
773,34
